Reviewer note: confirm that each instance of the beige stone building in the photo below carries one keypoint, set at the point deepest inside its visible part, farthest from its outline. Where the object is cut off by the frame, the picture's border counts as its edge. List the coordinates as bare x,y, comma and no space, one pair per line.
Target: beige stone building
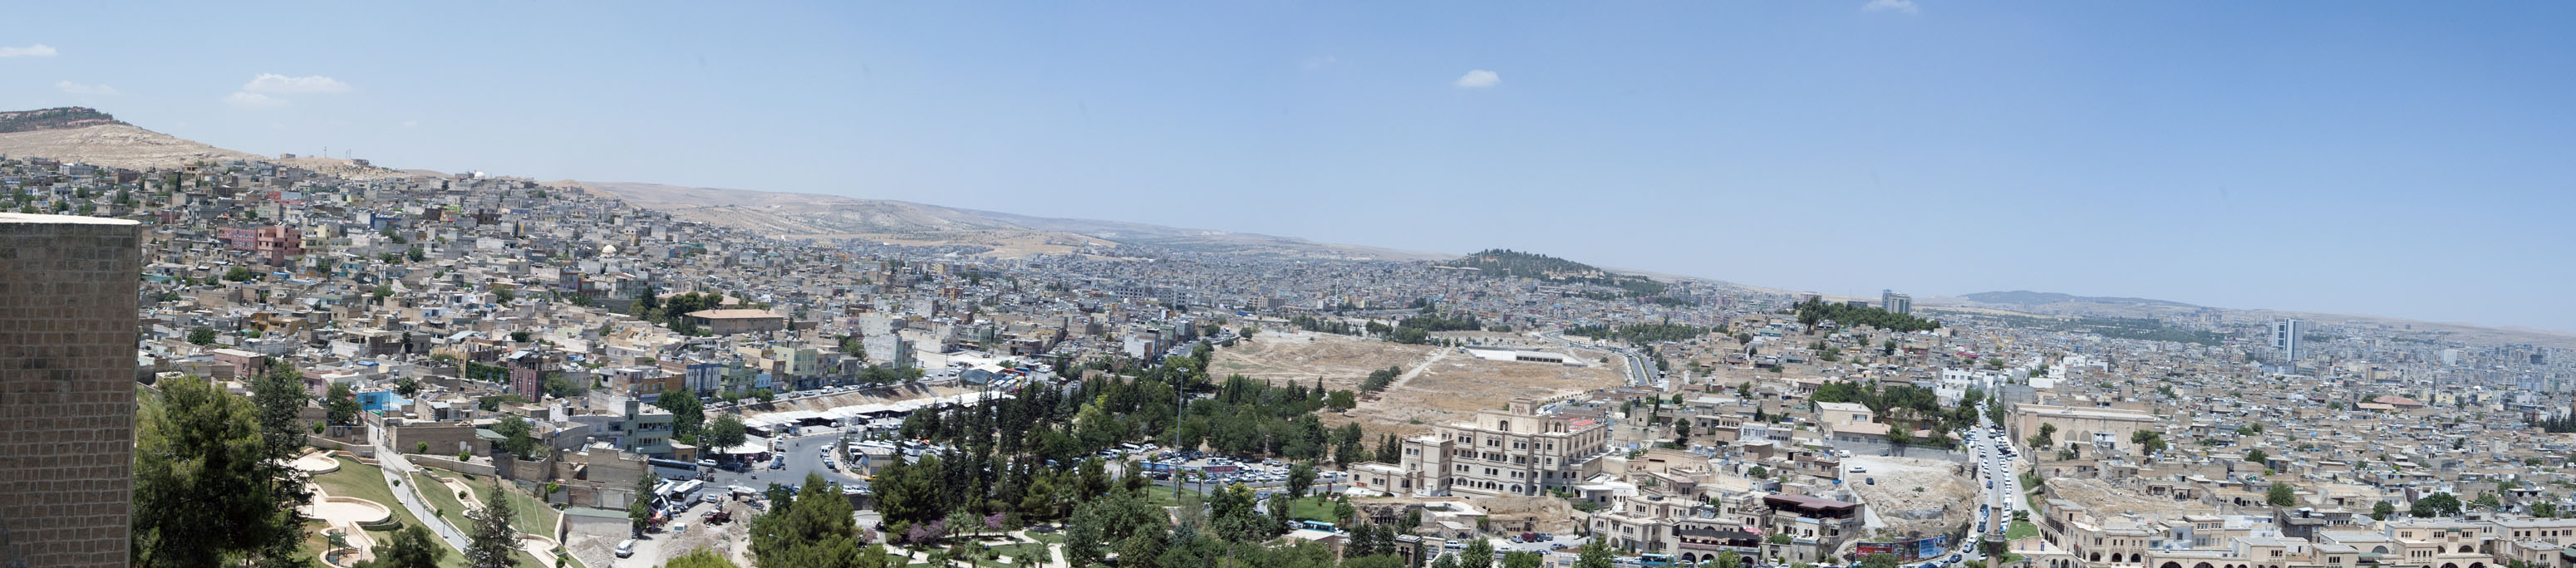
1517,450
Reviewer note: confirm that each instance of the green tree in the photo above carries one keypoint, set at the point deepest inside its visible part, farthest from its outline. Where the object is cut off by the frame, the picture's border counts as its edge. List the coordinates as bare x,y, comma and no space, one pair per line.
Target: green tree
640,509
209,489
1230,511
2149,442
2435,505
1522,559
1595,555
811,530
490,542
412,547
342,404
688,413
240,274
2487,501
1728,559
1879,560
726,432
1446,561
2281,495
202,336
2256,456
517,436
1301,476
1480,553
2381,510
700,558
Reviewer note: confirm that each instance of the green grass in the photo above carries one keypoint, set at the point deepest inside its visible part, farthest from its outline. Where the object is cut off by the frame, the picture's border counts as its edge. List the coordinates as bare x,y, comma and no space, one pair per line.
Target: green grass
368,482
442,498
2021,530
533,515
1316,508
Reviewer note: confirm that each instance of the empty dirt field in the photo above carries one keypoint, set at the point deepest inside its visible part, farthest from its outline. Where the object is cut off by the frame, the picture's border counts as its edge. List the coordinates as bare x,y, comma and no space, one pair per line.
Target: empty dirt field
1455,386
1342,361
1913,496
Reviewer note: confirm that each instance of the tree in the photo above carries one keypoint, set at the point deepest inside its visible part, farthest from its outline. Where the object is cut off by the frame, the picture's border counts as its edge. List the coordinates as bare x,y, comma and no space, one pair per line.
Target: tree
2381,510
1232,516
1480,553
726,432
1301,476
415,254
2046,438
2280,495
1879,560
517,436
2487,501
1898,437
640,509
2435,505
1342,400
342,404
688,413
240,274
700,558
1522,559
2149,442
2257,456
1446,561
1595,555
407,386
811,530
209,487
490,543
412,547
1728,559
202,336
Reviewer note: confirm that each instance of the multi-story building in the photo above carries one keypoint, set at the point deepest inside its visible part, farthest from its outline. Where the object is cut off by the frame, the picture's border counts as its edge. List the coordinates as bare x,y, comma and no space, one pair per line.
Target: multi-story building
1514,451
2285,338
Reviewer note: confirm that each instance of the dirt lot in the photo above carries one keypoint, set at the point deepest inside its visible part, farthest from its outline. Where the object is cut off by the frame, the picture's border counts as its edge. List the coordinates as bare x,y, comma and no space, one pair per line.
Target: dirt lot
2104,499
1438,386
1455,387
1342,361
1945,501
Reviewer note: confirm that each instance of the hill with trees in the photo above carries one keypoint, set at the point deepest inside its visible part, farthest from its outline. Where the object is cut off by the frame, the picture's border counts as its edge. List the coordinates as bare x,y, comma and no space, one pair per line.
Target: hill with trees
1505,263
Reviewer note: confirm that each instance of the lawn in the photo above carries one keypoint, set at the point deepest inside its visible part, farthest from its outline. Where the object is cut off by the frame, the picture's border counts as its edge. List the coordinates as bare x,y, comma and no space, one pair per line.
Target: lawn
2020,530
442,498
533,516
1314,508
368,482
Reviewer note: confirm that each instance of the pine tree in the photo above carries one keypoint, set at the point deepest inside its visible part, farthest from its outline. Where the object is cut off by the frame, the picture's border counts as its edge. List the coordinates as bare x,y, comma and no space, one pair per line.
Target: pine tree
492,543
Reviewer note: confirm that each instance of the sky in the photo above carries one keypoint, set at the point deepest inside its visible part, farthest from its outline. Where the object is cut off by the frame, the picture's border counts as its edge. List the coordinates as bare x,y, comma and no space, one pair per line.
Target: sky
2394,158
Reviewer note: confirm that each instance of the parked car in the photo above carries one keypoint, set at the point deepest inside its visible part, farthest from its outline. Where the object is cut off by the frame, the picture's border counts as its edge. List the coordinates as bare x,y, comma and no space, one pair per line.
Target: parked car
626,549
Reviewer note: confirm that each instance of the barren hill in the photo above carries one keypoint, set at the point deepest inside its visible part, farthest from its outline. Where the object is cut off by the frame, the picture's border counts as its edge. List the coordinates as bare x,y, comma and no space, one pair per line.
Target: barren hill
84,135
797,215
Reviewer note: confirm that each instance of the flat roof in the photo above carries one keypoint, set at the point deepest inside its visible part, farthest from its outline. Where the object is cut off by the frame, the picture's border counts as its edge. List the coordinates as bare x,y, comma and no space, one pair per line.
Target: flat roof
733,314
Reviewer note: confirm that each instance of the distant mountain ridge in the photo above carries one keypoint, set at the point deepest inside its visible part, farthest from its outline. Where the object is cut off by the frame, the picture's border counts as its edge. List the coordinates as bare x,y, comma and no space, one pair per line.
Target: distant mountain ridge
62,118
800,215
2029,298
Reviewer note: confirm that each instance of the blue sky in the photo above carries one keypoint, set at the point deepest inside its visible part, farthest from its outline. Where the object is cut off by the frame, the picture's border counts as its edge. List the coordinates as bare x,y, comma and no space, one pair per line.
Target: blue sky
2405,159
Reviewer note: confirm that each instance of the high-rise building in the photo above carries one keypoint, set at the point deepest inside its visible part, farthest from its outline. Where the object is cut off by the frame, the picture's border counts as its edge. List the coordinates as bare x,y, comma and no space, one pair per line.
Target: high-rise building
1519,450
2285,338
68,295
1895,303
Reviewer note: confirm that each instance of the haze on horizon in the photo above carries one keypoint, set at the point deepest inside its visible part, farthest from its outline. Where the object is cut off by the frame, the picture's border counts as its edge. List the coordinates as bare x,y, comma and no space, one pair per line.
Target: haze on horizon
2406,160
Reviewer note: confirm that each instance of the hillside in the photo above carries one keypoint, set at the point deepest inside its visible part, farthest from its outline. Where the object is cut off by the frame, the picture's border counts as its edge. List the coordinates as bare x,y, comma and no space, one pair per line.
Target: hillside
2029,298
1515,264
798,215
86,135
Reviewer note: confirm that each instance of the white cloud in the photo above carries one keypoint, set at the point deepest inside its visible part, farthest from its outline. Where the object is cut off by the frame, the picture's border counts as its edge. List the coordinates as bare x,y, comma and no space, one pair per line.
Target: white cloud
1479,79
37,50
80,89
281,84
253,100
1906,6
411,124
1320,61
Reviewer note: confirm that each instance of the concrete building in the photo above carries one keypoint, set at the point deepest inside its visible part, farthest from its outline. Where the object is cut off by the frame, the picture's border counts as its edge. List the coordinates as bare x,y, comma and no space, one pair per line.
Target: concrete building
68,298
1514,451
1895,303
2087,430
729,322
2285,338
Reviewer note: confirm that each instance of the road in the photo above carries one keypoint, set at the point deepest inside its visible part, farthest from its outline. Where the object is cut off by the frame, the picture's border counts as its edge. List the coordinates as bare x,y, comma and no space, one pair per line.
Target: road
1640,370
804,455
1996,471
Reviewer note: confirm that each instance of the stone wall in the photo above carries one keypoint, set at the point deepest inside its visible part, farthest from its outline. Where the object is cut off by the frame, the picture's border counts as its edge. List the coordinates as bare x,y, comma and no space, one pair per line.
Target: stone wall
69,289
443,439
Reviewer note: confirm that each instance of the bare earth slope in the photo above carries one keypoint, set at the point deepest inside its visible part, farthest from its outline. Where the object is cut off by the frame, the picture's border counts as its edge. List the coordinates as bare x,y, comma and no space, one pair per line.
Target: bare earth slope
797,215
116,144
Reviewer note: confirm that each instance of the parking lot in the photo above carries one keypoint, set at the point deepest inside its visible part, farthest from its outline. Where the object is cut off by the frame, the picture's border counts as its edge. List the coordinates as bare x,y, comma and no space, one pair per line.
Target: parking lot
1201,471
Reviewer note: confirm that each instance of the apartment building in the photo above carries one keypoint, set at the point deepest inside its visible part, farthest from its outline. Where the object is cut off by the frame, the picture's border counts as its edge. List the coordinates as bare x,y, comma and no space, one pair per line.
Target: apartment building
1517,450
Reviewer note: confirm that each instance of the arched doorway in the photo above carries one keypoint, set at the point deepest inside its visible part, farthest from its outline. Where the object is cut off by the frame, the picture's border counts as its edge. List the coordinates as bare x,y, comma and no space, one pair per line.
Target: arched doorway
2172,564
2202,565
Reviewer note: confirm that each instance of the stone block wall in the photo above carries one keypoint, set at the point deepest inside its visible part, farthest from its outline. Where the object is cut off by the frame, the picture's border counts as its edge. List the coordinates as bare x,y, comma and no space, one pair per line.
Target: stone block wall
68,298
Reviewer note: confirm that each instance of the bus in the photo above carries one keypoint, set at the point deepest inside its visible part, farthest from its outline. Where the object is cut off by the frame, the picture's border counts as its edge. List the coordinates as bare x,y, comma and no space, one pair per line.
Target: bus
1319,525
674,469
1654,560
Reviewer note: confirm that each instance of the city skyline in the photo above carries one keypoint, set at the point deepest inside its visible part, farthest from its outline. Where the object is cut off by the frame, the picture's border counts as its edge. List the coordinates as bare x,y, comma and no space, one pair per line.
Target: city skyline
2084,150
